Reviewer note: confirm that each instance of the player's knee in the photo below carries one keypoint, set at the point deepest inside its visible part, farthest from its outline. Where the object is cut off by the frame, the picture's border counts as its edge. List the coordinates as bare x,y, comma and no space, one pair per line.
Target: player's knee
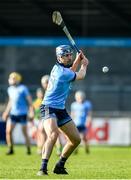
52,136
8,131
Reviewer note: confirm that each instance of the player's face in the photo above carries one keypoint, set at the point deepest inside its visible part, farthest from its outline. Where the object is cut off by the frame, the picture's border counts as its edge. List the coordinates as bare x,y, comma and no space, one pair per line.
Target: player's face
79,99
44,84
67,59
39,94
12,81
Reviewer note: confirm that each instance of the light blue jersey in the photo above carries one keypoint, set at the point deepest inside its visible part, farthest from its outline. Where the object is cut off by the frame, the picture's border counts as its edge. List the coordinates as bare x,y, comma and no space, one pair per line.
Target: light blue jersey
80,112
58,86
17,95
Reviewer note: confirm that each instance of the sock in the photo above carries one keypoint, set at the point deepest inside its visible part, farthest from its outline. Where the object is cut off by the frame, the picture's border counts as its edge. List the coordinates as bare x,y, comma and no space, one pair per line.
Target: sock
44,164
28,150
11,147
62,161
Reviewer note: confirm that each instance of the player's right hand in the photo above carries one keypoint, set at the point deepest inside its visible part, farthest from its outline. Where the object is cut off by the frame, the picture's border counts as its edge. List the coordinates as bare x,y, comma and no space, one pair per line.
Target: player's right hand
80,55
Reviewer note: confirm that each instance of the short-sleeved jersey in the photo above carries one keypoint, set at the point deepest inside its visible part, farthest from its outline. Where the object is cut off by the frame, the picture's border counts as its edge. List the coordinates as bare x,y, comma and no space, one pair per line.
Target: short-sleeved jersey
80,112
58,86
18,96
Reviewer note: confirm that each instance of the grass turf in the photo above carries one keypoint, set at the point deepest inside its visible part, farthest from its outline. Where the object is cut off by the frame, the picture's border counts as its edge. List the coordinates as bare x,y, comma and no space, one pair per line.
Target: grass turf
101,163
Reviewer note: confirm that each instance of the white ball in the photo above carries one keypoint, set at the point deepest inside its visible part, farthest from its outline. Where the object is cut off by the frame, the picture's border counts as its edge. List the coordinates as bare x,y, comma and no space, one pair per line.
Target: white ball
105,69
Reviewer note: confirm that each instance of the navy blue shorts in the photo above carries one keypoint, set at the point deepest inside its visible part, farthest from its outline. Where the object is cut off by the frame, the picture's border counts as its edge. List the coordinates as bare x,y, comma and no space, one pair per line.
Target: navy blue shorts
22,119
82,129
60,115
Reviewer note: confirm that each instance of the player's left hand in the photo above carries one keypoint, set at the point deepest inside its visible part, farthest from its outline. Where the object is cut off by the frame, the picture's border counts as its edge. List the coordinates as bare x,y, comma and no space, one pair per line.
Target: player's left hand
84,61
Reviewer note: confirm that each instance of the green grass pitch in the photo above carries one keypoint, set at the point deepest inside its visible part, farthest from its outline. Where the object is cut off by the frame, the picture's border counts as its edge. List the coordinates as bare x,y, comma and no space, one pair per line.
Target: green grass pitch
101,163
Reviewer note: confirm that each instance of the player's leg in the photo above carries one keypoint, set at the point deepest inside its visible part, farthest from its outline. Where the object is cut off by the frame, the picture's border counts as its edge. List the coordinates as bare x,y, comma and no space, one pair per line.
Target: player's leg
73,140
51,129
41,137
77,149
83,134
85,142
27,139
59,145
9,130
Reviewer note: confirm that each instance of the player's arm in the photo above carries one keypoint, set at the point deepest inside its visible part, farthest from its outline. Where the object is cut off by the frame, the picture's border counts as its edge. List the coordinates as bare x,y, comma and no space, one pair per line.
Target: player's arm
7,111
82,71
77,61
89,118
31,107
72,114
